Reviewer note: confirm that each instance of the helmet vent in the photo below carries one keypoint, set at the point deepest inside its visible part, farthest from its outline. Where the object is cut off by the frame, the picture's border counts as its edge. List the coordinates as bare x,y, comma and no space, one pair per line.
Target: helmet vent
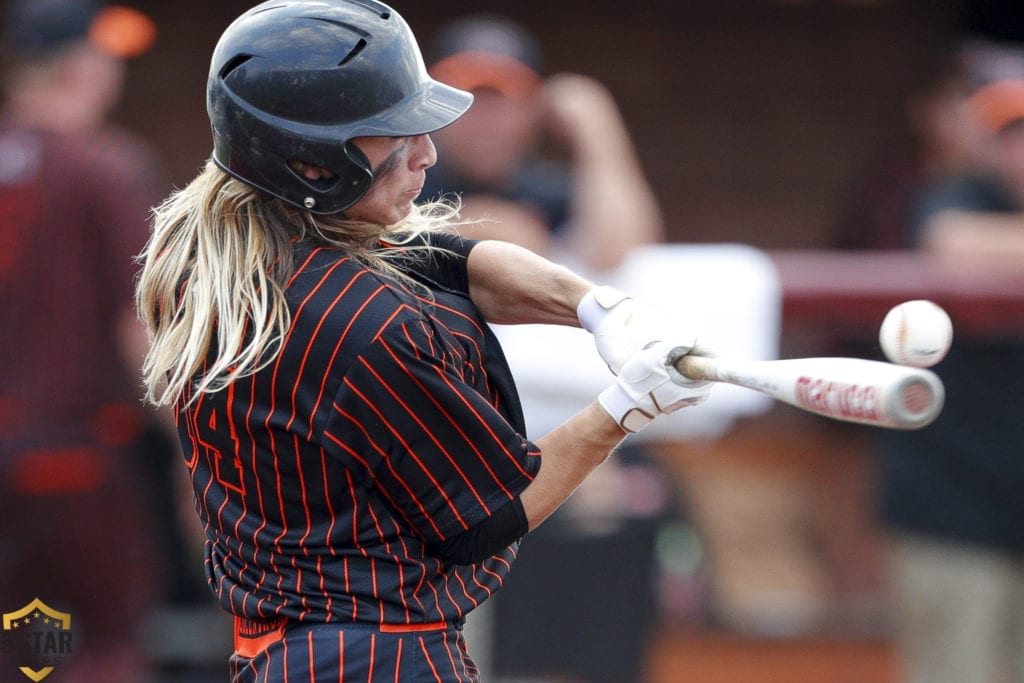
381,10
234,63
268,8
354,52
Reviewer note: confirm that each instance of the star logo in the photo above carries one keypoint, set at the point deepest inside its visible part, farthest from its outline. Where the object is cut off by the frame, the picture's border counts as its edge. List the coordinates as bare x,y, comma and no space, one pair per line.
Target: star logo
36,634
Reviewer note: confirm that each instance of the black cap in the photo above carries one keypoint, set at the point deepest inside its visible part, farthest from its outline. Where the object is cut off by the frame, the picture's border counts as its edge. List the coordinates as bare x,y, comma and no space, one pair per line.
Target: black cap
35,28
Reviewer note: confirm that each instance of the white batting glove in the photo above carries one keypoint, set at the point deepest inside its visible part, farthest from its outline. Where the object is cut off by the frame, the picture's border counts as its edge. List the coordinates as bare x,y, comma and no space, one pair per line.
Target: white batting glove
649,385
622,326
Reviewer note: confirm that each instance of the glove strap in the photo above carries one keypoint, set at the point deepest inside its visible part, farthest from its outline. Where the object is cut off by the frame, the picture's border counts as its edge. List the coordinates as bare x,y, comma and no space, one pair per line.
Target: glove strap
617,403
596,304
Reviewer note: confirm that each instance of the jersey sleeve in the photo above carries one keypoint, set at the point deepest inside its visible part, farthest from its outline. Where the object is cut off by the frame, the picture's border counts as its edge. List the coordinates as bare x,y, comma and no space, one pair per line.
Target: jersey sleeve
408,424
445,265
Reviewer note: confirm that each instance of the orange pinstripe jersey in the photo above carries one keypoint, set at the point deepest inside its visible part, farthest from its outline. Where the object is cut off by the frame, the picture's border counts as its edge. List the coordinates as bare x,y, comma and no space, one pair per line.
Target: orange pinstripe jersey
387,423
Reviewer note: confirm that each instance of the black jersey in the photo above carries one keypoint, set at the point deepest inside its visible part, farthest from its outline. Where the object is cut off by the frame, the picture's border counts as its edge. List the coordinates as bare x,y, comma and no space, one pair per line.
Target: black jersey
387,423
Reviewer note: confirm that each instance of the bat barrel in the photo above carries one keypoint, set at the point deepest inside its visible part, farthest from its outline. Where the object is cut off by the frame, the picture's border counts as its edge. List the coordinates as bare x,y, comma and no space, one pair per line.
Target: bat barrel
916,400
848,389
864,391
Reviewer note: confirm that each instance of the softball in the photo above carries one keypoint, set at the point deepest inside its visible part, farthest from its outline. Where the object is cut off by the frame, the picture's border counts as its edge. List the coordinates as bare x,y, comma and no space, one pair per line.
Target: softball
916,333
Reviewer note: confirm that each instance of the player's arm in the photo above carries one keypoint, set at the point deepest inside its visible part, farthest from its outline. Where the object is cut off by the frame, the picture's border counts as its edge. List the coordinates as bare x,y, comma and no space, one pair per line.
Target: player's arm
571,452
648,386
512,285
508,283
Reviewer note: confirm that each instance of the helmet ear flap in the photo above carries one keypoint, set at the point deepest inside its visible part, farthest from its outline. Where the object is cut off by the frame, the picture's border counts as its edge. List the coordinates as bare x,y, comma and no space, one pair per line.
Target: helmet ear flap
351,178
270,166
358,182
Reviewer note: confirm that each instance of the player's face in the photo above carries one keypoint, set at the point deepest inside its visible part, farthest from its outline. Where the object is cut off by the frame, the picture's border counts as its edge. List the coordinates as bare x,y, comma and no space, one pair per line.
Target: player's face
399,171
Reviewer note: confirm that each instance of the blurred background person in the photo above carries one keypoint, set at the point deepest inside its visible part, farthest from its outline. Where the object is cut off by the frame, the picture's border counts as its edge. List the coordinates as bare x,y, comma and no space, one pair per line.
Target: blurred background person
941,143
545,160
86,510
949,493
979,217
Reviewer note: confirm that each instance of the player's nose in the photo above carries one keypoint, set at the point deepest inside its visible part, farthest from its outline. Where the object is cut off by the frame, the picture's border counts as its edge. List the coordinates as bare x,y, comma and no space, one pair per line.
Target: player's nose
424,154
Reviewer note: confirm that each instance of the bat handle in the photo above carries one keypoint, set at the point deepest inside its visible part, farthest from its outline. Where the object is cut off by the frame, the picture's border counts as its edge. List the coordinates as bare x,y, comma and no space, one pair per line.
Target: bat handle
698,367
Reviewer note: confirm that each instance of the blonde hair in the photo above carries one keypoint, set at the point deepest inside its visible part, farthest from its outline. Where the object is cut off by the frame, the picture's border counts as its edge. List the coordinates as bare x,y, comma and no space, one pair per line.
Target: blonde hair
216,266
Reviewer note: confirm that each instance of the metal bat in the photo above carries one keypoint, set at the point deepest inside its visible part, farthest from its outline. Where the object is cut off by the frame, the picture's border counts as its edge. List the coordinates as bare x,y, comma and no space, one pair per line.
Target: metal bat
850,389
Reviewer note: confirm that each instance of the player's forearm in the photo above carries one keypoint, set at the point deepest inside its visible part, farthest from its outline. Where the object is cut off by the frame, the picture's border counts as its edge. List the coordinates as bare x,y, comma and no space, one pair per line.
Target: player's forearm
510,284
570,453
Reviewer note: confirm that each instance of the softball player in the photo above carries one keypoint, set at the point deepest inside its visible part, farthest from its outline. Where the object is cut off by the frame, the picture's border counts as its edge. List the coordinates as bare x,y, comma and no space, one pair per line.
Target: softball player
352,432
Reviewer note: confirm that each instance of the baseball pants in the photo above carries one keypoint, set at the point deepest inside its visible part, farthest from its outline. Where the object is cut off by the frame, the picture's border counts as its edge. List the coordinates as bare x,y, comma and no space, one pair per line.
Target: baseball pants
267,652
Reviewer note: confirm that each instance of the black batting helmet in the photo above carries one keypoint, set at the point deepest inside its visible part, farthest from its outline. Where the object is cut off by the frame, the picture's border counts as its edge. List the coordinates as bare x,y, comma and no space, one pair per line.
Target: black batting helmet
296,81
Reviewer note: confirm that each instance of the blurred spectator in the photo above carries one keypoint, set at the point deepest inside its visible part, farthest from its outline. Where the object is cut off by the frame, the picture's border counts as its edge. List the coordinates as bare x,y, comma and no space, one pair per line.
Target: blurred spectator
950,493
547,162
980,218
941,144
548,159
82,520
